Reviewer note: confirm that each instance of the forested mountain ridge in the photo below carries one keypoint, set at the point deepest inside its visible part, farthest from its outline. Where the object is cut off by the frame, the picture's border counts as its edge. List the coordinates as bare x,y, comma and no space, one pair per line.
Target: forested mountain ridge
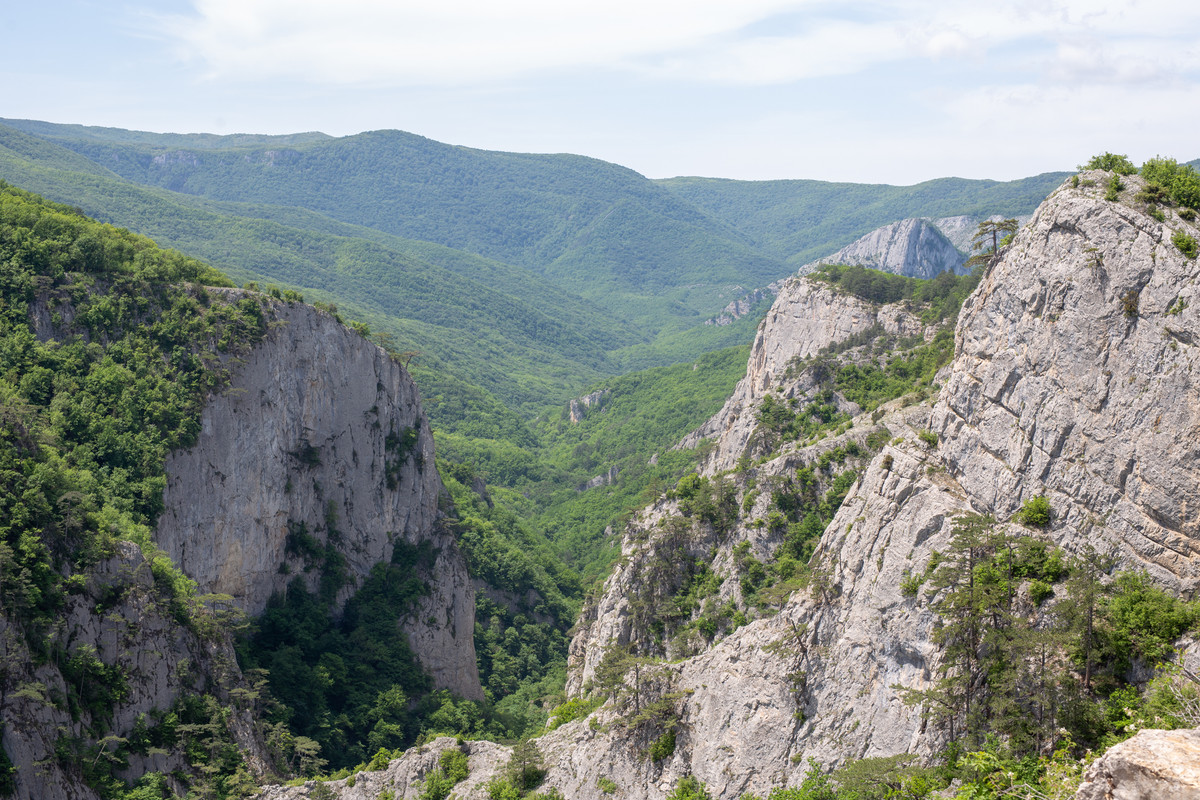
587,252
835,214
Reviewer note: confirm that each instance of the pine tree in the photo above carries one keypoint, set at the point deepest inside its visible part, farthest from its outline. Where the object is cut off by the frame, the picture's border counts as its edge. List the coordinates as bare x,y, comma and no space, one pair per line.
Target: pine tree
993,230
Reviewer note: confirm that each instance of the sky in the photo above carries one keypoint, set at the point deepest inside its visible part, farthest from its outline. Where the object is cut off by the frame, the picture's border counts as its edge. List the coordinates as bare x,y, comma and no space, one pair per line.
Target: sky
851,90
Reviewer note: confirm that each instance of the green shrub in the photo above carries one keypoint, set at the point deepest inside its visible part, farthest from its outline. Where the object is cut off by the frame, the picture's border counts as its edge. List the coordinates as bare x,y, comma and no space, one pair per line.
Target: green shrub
689,788
1187,214
1039,592
1115,186
928,437
1036,512
606,785
910,584
1112,162
1156,213
1144,621
663,746
1129,303
1185,243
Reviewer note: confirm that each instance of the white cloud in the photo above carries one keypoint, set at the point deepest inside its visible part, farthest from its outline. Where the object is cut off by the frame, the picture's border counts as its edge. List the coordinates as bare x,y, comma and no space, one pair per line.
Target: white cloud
420,42
452,41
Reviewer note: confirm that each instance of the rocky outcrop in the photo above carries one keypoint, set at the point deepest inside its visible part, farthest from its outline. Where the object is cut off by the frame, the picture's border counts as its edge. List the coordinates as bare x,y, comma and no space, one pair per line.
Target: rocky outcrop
742,306
1151,765
579,406
1073,377
405,777
817,680
912,247
806,317
319,440
119,635
603,479
1076,377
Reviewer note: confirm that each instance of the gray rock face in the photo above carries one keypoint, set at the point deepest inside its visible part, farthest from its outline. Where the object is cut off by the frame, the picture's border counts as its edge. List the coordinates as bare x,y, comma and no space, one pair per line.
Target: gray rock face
579,406
813,681
1055,388
806,317
320,435
1073,377
123,621
912,247
1076,377
405,776
1151,765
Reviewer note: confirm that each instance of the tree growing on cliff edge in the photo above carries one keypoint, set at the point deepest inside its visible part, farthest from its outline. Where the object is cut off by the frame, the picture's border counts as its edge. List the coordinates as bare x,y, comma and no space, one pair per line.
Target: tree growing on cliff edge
995,230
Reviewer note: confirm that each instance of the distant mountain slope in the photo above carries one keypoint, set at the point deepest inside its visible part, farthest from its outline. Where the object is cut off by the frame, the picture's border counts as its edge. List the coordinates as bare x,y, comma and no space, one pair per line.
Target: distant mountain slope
916,248
800,220
523,347
600,229
528,276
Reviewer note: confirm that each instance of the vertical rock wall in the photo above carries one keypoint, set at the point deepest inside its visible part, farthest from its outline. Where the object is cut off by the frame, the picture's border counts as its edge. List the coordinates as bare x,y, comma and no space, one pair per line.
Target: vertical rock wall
320,435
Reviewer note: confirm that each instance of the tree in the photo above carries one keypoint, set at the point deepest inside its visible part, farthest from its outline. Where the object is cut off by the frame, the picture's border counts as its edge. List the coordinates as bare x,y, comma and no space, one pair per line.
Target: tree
997,231
525,768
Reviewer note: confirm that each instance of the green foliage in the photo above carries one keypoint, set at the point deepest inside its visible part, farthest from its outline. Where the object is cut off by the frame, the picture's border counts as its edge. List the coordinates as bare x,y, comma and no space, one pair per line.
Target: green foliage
573,709
890,778
910,584
941,296
606,784
998,233
450,771
1129,303
1144,620
1185,243
345,682
1115,187
1180,183
688,788
1111,162
927,437
908,371
87,426
525,769
663,746
643,415
1035,512
1001,674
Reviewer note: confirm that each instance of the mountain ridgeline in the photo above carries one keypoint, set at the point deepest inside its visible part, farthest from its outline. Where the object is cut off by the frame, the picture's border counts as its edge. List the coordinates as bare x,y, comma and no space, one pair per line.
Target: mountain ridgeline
529,276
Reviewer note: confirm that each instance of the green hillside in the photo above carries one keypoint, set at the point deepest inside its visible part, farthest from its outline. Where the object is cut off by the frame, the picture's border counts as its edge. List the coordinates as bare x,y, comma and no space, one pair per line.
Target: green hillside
521,276
600,229
800,221
523,347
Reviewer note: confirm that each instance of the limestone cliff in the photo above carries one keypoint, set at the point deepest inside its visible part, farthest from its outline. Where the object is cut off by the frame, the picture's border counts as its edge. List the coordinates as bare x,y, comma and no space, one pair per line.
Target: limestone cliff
1074,376
319,437
130,662
806,317
912,247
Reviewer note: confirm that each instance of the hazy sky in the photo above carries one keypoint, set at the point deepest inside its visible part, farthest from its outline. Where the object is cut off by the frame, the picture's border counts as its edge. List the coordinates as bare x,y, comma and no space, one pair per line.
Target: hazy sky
894,92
